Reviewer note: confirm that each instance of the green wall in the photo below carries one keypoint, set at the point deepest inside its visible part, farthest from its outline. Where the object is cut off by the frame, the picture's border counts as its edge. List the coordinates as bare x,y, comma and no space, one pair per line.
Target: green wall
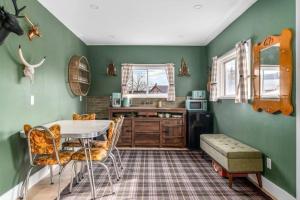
274,135
101,56
53,99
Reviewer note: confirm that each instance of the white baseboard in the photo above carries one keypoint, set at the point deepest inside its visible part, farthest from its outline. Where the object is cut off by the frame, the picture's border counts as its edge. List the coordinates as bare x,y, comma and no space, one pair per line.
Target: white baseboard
13,193
272,189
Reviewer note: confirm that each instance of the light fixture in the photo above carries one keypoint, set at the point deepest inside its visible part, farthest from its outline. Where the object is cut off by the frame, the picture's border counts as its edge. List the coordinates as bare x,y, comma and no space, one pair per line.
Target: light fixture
94,6
198,6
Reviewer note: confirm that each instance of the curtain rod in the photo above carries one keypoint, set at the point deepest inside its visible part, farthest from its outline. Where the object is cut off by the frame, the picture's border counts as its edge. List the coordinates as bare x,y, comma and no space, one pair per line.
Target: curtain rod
147,64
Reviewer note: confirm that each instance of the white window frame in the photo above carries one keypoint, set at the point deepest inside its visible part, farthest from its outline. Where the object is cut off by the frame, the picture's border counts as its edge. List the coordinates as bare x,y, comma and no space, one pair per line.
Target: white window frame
146,67
221,72
231,55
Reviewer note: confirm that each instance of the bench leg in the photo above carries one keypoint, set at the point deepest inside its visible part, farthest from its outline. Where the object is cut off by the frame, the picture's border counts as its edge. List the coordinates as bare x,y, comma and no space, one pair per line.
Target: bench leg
258,176
230,180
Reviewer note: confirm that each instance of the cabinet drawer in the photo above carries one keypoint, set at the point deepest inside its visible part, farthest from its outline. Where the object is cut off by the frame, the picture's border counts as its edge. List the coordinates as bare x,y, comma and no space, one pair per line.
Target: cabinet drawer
172,131
126,131
172,122
127,123
147,139
146,126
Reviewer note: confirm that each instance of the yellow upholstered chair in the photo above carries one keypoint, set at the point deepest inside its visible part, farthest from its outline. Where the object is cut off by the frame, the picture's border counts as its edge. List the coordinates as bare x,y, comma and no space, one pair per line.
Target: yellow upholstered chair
44,150
100,155
105,144
75,142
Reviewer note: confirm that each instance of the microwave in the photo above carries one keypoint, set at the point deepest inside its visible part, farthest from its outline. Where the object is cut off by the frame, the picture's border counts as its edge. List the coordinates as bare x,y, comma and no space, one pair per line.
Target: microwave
196,104
199,94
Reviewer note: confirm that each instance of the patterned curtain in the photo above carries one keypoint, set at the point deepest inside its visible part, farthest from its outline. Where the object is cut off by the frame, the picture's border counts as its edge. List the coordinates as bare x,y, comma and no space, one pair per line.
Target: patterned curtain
213,84
242,88
171,78
126,73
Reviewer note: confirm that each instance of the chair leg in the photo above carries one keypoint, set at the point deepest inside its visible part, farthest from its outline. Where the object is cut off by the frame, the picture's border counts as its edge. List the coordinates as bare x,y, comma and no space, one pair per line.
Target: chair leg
73,175
109,177
75,170
23,187
82,170
230,180
115,166
120,160
51,174
258,176
27,183
61,168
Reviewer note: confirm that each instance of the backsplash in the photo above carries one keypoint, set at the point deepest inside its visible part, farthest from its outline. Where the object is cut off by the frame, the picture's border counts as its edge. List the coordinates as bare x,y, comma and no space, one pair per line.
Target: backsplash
100,104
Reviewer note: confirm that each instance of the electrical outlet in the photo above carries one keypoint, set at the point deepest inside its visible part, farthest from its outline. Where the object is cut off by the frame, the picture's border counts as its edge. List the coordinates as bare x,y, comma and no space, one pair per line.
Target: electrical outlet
80,98
31,100
269,163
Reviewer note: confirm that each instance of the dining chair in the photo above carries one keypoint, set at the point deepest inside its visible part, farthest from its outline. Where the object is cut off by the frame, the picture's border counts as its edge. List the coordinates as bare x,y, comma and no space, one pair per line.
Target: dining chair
44,150
100,155
103,144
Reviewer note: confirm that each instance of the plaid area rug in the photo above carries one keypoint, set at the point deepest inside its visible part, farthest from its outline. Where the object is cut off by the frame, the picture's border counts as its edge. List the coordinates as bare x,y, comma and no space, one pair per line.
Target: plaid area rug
164,174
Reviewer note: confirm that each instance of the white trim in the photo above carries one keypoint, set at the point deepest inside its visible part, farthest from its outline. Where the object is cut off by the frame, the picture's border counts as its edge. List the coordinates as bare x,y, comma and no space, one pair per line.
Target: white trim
272,189
227,20
34,179
229,56
297,99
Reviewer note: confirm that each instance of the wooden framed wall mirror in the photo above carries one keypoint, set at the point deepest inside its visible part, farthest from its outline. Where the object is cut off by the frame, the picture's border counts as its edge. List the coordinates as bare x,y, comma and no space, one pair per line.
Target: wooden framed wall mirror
272,74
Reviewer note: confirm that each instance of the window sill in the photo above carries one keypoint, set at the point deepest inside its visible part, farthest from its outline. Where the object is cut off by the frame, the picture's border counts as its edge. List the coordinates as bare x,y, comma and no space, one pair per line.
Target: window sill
226,98
138,96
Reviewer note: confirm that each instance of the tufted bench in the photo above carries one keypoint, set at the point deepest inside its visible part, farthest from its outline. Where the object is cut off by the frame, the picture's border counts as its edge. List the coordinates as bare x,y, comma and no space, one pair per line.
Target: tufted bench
234,156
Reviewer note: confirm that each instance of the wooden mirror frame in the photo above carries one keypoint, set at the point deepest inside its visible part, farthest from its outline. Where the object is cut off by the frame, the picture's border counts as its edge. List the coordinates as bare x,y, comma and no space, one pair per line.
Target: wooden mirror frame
283,104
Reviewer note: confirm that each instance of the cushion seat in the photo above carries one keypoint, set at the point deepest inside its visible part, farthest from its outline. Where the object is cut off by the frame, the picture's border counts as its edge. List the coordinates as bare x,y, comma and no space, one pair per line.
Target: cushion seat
230,147
64,157
99,144
72,143
98,154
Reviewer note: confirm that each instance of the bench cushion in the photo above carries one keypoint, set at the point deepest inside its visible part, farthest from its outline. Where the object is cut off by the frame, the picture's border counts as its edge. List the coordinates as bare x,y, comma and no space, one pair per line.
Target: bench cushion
230,147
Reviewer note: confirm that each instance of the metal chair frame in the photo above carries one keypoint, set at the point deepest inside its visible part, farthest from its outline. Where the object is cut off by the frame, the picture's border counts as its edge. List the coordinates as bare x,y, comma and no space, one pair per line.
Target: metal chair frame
24,188
87,147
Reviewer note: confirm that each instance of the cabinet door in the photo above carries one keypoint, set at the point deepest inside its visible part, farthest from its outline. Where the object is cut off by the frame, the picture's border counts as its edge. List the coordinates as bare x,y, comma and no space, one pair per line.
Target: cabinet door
173,133
146,133
125,138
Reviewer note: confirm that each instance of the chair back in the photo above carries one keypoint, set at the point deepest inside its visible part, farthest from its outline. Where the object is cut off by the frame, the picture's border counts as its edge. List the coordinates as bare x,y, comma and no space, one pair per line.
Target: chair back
112,134
119,130
43,141
91,116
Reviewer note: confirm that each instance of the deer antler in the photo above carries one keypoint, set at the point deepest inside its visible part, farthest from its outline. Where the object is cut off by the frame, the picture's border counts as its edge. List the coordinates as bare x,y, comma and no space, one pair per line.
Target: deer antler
17,11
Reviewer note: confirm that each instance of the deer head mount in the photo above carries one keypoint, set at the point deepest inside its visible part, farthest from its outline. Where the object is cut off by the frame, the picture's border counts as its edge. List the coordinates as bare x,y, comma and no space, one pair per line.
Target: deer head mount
9,22
29,68
33,31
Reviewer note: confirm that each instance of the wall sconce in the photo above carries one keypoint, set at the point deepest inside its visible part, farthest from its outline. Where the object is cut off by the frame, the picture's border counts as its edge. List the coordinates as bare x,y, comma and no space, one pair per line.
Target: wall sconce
111,70
183,70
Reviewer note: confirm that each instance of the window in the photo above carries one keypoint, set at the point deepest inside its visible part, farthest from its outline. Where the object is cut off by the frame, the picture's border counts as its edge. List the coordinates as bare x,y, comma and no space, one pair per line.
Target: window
148,81
230,78
227,73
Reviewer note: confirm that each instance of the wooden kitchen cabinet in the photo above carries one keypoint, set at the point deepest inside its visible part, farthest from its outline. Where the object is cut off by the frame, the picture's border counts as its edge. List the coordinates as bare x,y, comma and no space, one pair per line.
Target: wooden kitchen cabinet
143,128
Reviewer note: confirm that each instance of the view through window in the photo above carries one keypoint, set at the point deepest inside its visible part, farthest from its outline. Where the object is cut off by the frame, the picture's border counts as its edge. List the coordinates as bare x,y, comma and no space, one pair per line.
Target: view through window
148,81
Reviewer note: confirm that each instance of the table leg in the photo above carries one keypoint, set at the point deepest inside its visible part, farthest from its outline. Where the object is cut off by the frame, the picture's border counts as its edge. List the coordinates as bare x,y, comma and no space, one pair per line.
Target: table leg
85,144
91,166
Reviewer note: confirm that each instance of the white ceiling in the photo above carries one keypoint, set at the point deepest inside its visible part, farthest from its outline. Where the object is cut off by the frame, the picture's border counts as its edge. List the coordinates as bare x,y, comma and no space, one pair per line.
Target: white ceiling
147,22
